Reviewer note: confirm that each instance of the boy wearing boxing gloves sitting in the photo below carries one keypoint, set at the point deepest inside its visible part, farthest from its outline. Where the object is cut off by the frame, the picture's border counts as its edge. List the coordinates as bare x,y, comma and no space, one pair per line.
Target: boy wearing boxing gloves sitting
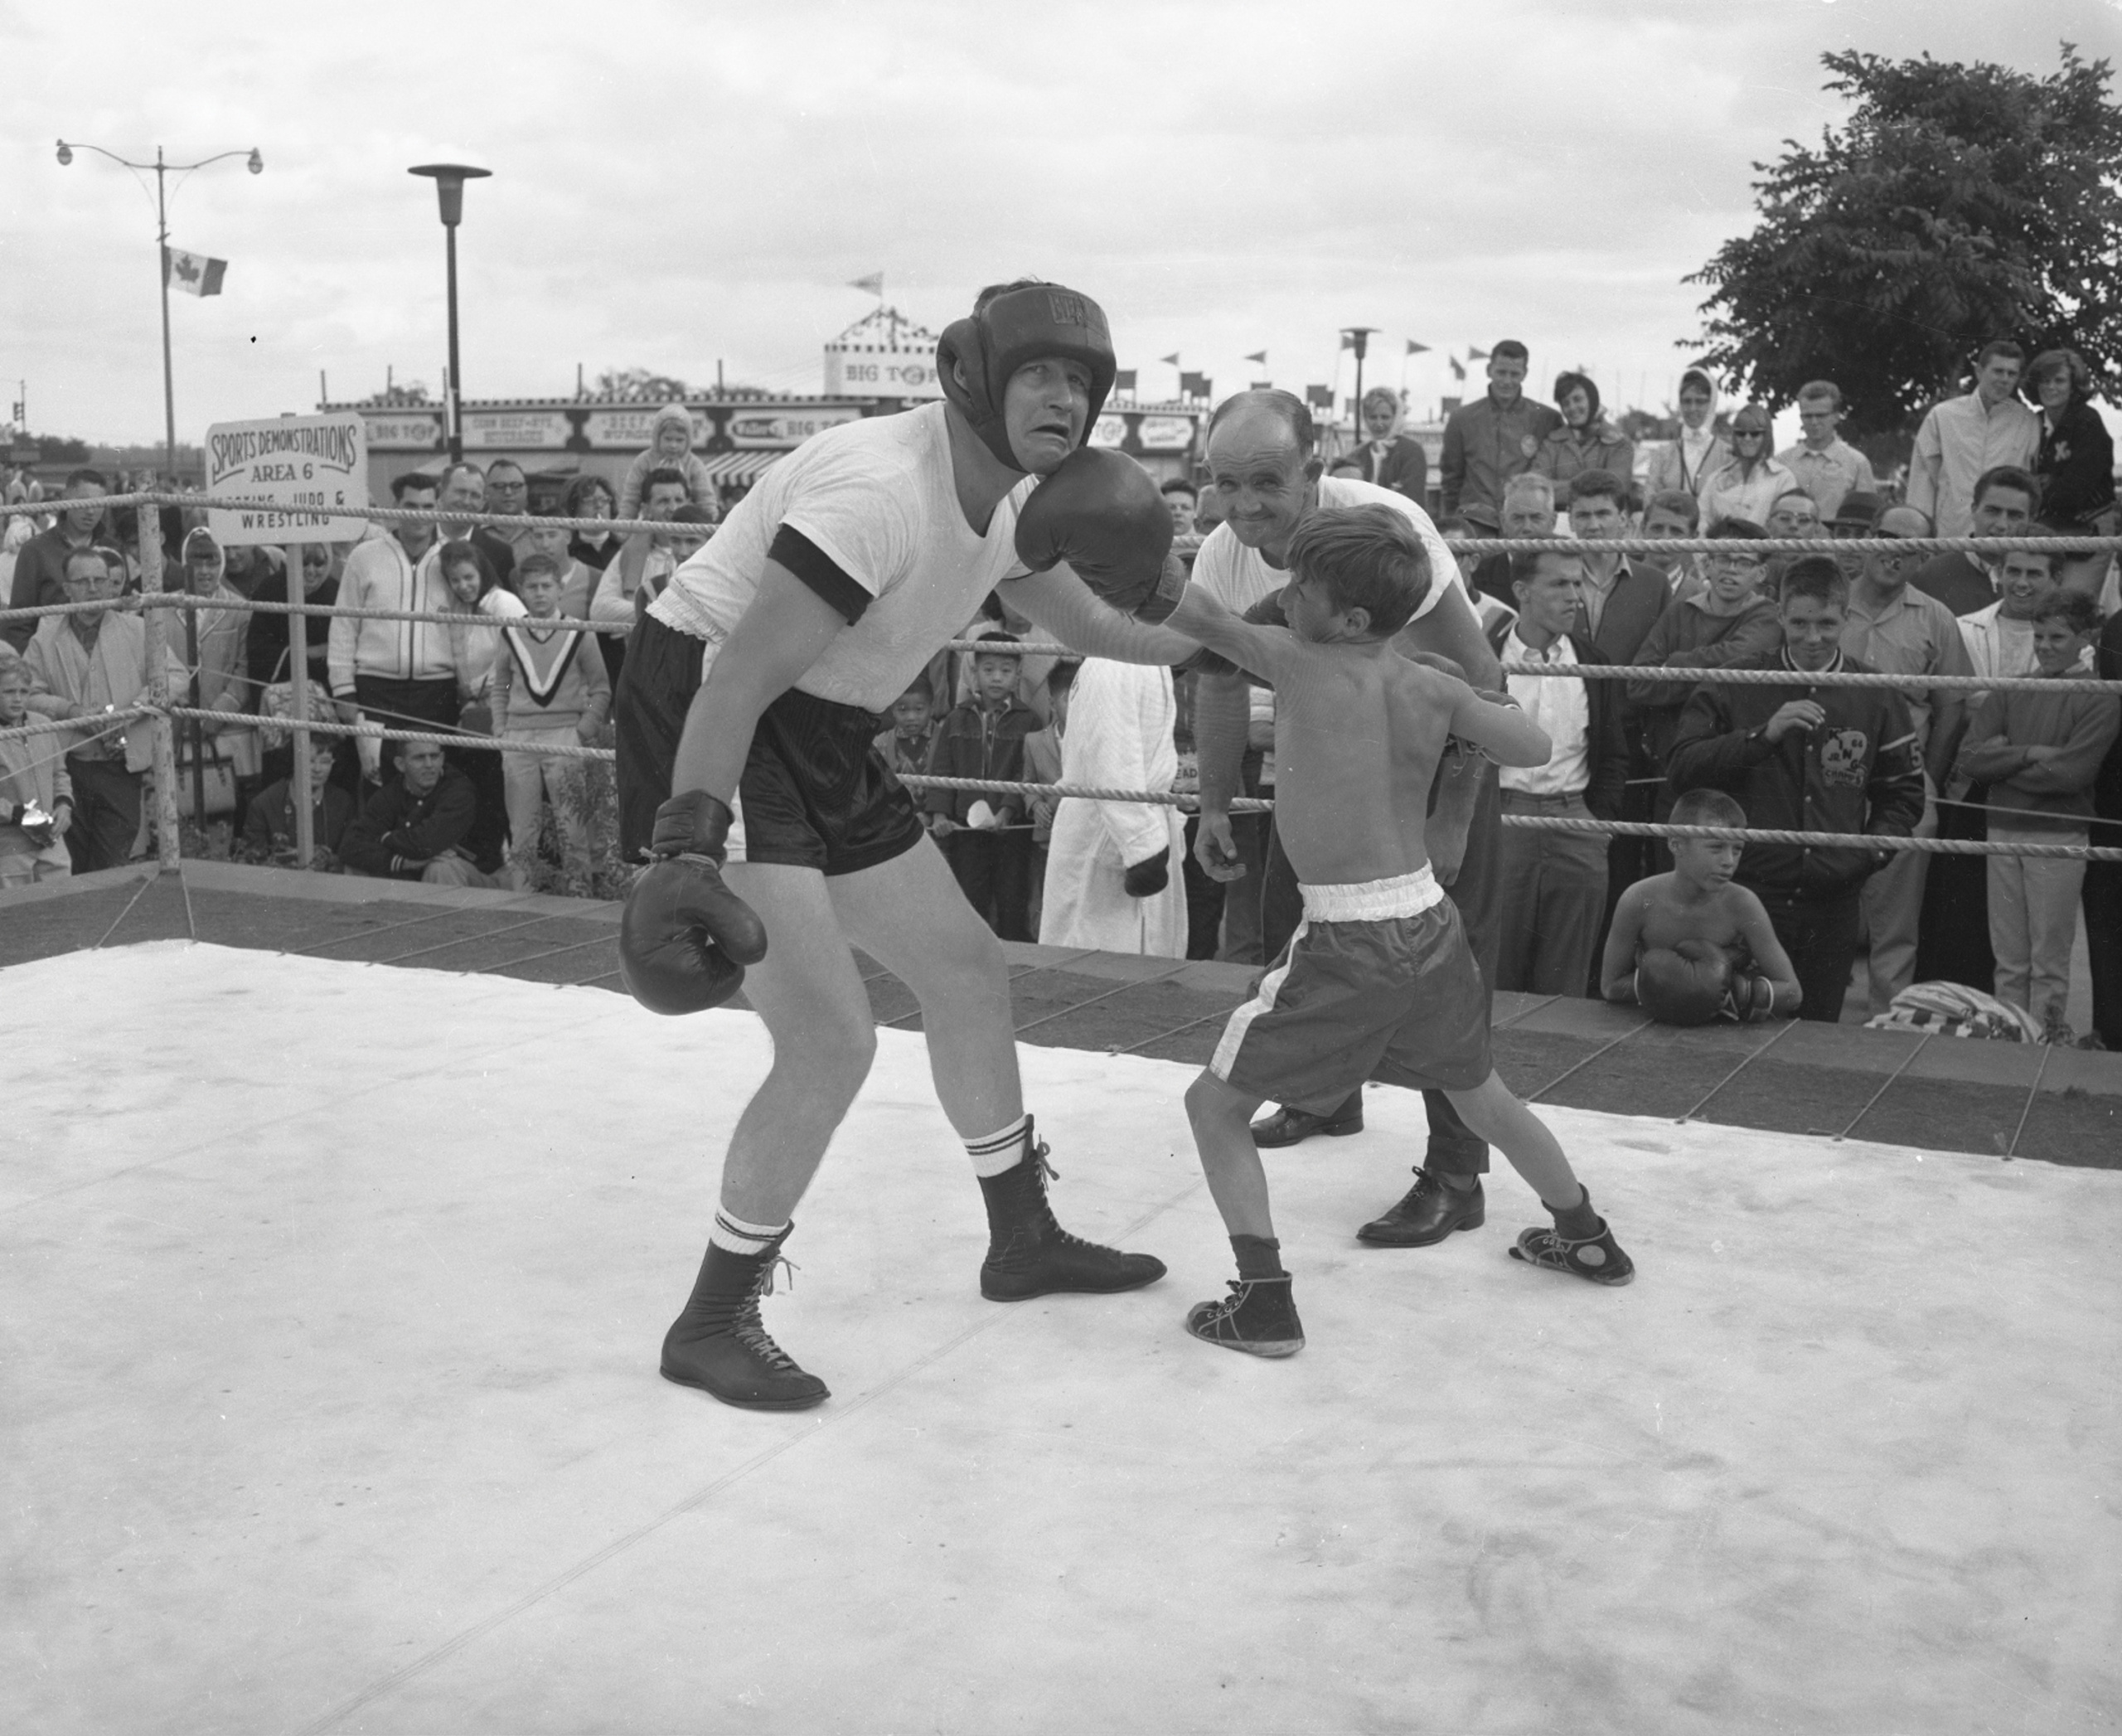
1693,946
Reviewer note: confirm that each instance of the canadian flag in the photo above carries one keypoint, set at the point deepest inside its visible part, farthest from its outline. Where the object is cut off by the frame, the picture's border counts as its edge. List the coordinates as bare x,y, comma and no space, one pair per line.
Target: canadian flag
193,272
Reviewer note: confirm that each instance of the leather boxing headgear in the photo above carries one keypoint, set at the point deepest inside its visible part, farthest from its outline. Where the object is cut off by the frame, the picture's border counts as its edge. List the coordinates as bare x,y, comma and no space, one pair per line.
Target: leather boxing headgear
1017,327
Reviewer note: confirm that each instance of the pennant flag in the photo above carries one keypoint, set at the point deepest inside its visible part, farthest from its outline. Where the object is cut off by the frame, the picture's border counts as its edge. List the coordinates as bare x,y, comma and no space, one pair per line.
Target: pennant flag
1474,355
1318,397
873,284
1258,356
1457,371
193,272
1172,359
1123,379
1416,349
1193,386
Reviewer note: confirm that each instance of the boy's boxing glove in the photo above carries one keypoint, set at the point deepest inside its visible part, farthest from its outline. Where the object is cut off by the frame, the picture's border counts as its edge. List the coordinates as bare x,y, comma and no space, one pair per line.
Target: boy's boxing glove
1684,984
1099,511
685,938
1751,998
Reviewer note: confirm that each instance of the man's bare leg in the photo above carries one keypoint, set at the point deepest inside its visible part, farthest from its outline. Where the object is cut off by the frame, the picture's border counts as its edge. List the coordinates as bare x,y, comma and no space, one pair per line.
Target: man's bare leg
811,996
910,916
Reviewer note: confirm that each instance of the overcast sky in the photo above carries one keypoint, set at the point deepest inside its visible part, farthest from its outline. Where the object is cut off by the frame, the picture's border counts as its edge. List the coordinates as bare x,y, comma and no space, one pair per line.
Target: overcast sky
677,184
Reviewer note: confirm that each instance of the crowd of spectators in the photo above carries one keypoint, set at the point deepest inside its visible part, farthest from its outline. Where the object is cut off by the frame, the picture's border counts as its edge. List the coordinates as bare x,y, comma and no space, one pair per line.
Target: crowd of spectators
1921,762
457,815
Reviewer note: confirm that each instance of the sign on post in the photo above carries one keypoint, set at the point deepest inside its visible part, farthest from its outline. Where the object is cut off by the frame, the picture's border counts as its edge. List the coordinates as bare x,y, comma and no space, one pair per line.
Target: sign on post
309,475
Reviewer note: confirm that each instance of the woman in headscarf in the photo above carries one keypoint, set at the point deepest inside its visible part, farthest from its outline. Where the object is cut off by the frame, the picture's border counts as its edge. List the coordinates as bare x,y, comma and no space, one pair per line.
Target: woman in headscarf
1389,456
1586,441
2076,466
220,667
1747,484
1686,464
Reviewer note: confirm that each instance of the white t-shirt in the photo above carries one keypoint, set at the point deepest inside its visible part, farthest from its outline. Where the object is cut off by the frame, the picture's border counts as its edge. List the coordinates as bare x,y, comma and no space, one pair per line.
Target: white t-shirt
1239,577
878,498
1563,708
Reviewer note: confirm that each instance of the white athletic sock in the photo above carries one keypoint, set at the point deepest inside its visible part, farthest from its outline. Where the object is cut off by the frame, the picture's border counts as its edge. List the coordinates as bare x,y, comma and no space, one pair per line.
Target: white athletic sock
734,1235
994,1153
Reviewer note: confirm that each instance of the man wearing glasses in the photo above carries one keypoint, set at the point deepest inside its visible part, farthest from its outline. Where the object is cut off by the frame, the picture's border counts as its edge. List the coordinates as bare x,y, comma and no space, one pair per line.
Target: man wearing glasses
1899,630
508,490
83,665
1827,467
40,567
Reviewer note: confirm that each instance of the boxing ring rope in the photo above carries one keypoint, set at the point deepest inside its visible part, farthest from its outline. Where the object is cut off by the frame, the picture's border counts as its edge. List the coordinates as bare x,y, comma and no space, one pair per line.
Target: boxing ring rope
154,601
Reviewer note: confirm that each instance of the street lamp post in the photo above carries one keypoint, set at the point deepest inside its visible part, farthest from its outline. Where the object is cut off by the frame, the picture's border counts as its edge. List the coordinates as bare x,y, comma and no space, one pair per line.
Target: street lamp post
449,179
1358,341
163,170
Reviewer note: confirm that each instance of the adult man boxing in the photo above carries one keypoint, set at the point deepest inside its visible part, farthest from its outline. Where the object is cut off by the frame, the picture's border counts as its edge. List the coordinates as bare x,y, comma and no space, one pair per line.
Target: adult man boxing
1264,473
749,695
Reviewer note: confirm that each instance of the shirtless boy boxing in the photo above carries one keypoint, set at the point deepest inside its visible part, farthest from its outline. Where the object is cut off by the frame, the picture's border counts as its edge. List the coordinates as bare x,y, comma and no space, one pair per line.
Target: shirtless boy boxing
1378,982
1693,946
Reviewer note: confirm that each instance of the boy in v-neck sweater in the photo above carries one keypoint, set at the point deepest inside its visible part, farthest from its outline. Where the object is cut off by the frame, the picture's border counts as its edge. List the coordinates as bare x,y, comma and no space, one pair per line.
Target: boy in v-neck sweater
549,686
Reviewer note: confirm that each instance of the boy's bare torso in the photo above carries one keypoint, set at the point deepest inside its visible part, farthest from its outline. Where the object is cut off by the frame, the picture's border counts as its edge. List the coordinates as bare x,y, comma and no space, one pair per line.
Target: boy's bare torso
1358,733
1673,911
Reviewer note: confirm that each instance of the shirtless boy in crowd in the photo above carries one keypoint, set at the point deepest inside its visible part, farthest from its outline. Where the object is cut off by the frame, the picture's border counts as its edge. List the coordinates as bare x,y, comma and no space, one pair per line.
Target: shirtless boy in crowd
1378,982
1693,946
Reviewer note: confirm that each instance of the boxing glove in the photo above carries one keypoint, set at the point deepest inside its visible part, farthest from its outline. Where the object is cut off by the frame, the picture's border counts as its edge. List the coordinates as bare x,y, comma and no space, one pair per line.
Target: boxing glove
1099,511
1684,984
1148,877
684,938
1751,998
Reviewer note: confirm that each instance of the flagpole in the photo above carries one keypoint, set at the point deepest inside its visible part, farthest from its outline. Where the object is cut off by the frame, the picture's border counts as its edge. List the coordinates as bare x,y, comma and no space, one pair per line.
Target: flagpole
169,374
161,167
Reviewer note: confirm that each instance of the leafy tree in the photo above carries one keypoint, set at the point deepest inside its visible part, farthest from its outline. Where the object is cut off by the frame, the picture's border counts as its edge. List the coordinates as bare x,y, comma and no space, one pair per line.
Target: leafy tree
1957,204
638,383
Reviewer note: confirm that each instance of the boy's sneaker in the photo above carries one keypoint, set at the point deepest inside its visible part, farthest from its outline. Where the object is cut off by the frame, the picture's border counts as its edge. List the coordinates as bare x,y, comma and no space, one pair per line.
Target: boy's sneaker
1598,1258
2055,1030
1259,1317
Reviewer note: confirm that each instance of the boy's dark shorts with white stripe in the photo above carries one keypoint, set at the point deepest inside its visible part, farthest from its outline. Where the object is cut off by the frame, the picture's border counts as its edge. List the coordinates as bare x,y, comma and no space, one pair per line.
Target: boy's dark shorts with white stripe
815,792
1378,983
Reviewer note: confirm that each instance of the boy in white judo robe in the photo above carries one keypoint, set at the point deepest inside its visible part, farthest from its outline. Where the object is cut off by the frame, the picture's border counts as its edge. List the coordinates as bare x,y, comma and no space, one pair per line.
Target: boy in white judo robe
1112,880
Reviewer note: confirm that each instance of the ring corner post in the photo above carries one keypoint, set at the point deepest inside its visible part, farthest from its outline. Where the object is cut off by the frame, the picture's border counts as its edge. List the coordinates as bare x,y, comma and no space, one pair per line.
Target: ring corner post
298,678
168,854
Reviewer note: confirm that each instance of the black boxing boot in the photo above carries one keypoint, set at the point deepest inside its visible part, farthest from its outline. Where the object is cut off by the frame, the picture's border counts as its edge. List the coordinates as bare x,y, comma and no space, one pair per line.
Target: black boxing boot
719,1344
1030,1254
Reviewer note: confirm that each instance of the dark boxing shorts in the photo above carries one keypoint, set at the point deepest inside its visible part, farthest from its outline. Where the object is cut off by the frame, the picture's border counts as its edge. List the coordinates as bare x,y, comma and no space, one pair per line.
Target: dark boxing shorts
814,794
1378,983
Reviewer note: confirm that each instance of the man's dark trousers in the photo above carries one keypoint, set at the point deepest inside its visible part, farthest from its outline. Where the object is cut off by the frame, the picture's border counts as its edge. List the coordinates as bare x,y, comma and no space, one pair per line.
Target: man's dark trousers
106,814
1819,931
1455,1149
994,872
